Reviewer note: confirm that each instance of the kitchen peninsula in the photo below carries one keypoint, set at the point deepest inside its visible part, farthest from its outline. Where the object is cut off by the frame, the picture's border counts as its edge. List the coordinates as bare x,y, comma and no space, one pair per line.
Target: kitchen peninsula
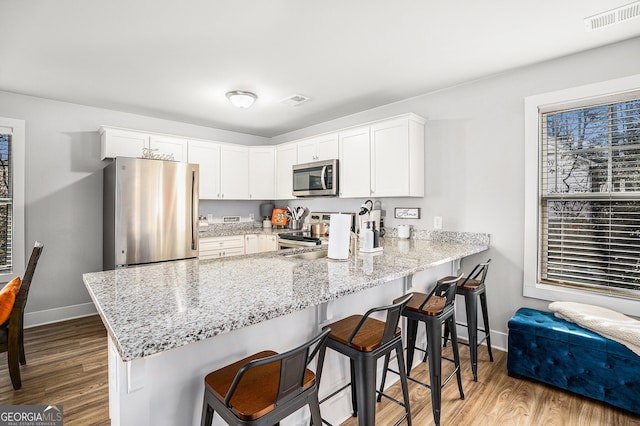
171,323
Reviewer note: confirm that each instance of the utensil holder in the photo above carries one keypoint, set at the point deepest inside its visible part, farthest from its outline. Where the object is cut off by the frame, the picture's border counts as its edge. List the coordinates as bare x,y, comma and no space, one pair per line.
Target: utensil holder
295,224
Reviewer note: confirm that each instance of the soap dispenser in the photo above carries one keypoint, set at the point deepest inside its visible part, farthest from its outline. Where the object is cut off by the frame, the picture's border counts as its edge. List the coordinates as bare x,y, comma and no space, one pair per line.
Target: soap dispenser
367,237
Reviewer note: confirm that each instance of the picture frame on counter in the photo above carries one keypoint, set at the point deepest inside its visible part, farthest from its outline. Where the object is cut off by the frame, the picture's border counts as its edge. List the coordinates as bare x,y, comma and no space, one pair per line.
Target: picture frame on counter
406,212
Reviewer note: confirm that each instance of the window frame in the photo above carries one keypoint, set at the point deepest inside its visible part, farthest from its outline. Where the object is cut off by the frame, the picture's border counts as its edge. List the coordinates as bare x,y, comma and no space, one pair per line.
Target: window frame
532,237
18,138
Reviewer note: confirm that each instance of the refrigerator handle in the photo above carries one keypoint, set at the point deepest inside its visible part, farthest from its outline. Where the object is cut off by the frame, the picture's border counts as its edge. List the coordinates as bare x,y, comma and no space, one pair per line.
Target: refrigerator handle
194,211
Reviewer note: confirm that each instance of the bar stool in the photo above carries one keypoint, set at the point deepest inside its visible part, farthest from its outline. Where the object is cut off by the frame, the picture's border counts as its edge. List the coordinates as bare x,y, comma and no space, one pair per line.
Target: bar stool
266,387
473,288
433,310
364,340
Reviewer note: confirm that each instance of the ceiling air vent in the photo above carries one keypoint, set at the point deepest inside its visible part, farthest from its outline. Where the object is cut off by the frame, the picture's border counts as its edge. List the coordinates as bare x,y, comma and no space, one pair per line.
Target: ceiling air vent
295,100
612,17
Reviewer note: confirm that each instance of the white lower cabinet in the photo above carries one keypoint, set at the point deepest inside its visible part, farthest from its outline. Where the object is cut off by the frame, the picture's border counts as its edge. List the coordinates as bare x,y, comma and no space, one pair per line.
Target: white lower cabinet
251,244
260,243
267,243
217,247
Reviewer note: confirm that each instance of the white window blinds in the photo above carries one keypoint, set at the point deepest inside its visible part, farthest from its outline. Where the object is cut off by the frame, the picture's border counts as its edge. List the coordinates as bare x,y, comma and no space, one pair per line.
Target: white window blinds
590,195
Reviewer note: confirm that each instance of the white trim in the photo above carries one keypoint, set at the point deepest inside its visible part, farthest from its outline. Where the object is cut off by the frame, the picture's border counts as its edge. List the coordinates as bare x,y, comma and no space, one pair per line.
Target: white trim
18,150
532,287
48,316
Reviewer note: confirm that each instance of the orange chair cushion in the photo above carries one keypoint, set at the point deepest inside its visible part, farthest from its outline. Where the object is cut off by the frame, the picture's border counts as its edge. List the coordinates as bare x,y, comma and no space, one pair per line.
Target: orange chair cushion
8,298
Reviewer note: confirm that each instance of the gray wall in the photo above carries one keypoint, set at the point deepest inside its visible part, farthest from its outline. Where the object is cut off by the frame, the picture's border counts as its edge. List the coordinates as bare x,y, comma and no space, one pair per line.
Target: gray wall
474,171
474,159
63,193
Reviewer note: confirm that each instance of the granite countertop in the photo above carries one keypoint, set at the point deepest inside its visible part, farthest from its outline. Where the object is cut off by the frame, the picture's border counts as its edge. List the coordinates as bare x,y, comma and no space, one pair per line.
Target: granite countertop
240,228
152,308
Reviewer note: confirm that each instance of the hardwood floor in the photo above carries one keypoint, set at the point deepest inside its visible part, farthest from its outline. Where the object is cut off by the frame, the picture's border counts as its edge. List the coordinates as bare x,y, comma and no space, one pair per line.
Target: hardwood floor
67,364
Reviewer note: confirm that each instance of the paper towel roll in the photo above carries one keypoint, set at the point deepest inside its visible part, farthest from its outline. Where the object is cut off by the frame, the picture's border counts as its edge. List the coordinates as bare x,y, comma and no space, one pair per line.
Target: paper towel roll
339,235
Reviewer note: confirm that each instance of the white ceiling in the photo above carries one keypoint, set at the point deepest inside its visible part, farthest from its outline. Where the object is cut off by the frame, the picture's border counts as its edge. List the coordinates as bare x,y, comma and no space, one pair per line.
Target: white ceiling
176,59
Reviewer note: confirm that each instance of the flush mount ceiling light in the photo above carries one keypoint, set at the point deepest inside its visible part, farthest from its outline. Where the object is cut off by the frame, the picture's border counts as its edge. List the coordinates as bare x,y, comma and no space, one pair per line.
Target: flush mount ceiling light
241,99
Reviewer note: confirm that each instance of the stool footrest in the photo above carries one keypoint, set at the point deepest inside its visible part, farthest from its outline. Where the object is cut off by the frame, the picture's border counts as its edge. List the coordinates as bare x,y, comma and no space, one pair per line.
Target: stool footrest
334,393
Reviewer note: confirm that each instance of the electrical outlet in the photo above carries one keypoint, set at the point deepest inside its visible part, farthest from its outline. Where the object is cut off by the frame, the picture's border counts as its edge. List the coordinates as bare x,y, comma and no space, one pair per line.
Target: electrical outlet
437,222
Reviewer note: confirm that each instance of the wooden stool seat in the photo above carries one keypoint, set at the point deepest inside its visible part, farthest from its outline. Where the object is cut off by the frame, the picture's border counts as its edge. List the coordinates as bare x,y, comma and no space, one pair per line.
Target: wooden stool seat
434,306
266,387
256,394
368,338
464,283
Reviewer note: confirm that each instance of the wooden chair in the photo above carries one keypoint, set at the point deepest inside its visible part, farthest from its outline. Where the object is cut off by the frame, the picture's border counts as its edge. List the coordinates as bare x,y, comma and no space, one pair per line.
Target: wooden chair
266,387
12,331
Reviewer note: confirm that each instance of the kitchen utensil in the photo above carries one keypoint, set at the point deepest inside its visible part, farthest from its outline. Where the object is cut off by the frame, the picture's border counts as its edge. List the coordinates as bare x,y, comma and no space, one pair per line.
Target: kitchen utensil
295,224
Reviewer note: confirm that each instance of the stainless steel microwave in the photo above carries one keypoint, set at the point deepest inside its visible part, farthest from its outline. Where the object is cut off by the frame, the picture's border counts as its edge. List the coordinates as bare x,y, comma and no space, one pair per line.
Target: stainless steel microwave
318,178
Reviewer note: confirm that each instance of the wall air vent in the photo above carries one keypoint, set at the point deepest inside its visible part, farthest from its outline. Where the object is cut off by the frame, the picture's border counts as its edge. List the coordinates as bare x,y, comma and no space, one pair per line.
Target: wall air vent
612,17
295,100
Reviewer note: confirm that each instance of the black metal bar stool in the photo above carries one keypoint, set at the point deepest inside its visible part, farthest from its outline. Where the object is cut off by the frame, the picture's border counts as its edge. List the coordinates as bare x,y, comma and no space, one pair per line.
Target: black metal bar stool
364,340
433,310
266,387
472,288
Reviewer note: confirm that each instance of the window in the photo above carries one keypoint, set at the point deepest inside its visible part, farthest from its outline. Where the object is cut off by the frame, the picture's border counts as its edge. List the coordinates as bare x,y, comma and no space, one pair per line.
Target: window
6,202
582,195
12,149
589,216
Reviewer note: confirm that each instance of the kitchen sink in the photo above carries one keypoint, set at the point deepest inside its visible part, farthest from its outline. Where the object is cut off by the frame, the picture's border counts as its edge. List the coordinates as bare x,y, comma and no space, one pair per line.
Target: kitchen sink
310,255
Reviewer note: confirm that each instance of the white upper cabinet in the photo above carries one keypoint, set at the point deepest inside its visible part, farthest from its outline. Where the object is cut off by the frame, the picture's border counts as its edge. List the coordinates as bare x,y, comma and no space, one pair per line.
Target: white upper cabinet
207,155
286,157
168,148
397,158
262,163
318,149
127,143
355,164
234,172
122,143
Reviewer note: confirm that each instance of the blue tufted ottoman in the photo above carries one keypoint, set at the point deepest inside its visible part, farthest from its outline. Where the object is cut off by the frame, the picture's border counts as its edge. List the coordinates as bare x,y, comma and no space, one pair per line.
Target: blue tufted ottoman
563,354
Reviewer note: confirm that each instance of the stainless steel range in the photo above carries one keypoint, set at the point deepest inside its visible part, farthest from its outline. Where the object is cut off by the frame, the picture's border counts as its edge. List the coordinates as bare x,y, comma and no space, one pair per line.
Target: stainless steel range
299,239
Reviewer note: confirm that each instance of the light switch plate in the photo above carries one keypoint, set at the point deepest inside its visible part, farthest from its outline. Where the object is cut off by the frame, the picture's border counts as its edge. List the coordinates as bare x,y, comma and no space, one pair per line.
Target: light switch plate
230,219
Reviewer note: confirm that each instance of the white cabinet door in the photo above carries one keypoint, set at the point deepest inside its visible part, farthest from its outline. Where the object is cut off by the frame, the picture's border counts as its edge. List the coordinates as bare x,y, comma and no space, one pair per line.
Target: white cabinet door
122,143
207,155
286,157
390,158
328,147
317,149
267,243
168,148
234,172
397,158
307,151
262,163
251,244
355,165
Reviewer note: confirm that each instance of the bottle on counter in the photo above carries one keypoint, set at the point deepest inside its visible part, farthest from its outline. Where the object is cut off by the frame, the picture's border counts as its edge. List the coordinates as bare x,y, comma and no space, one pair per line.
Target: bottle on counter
367,237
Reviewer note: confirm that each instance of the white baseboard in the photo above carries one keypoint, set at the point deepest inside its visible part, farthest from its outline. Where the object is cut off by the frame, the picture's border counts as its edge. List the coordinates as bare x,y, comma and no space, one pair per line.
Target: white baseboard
48,316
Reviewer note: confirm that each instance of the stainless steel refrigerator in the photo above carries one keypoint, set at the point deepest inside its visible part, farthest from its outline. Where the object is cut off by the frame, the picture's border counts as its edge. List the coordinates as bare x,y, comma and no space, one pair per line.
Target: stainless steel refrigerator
150,211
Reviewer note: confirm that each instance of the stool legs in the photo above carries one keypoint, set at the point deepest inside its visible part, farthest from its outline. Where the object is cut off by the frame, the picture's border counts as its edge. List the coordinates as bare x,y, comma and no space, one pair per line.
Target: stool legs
366,385
485,317
471,304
